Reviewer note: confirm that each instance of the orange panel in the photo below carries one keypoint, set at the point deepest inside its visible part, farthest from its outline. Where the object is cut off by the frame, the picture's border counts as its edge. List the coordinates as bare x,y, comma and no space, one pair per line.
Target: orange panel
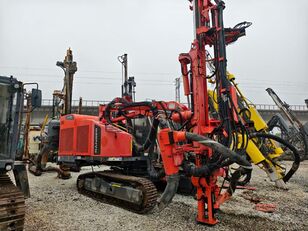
88,136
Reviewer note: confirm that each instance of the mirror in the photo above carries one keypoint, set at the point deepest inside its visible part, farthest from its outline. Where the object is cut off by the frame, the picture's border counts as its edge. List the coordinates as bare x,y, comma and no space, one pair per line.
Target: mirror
36,98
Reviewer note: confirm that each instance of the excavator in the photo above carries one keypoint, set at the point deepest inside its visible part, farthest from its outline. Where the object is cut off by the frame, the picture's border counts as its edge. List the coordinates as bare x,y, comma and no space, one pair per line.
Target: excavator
262,148
12,197
182,140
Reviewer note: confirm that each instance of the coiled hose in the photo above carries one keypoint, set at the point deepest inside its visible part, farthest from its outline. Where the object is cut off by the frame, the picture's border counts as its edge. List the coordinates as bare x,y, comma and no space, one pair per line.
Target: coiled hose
295,152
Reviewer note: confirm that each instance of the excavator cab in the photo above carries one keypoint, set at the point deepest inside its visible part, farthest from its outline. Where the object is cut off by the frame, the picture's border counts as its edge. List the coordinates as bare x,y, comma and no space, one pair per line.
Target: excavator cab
11,105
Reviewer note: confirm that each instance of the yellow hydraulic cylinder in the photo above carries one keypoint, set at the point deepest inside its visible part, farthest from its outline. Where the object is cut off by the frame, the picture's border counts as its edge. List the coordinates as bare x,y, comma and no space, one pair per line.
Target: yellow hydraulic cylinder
213,96
254,153
259,123
252,150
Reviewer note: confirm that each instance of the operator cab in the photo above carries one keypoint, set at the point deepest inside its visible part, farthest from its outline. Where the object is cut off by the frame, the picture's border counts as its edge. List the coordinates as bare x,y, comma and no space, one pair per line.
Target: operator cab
11,106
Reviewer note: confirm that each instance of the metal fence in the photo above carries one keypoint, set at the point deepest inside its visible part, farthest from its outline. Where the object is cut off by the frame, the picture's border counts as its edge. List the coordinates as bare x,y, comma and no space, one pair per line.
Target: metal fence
95,103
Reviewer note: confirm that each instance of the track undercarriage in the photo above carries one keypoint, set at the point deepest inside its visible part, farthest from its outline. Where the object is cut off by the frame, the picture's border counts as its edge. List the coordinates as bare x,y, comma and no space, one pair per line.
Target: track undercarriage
136,194
12,205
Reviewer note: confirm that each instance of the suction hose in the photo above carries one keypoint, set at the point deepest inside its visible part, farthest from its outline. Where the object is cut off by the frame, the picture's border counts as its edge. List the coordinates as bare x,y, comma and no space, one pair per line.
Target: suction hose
296,155
206,170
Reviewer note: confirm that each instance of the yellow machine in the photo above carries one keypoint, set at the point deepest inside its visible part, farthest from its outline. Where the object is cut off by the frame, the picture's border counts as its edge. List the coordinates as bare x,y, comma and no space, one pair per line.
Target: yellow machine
261,147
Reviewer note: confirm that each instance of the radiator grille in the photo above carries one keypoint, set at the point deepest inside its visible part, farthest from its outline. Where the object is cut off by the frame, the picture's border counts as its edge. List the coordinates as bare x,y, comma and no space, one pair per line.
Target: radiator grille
83,138
67,136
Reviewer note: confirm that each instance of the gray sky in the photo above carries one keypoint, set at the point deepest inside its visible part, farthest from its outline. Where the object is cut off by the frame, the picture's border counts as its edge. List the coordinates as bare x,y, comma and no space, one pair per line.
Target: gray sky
34,34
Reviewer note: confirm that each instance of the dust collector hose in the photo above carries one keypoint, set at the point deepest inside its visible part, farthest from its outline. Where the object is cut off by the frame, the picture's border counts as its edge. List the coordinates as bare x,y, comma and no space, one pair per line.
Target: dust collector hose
296,155
218,147
173,180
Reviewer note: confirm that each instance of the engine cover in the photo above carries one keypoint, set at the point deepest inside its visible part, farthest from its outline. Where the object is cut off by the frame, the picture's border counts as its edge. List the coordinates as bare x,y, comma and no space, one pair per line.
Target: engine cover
83,135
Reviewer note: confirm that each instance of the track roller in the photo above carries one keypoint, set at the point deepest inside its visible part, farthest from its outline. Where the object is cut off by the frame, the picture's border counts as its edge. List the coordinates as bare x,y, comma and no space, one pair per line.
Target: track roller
133,193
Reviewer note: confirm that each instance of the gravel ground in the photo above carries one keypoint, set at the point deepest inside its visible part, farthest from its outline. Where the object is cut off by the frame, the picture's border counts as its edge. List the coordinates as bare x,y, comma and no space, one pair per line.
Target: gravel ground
56,205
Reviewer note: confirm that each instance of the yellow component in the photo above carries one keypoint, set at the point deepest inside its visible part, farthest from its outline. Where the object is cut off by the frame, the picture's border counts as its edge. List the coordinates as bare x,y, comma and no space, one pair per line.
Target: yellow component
277,151
213,96
254,153
44,124
252,149
116,185
212,81
230,76
120,127
259,123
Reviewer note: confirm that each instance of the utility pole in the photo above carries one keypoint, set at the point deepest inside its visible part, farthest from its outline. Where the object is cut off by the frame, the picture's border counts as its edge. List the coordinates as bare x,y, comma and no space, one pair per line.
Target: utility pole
177,89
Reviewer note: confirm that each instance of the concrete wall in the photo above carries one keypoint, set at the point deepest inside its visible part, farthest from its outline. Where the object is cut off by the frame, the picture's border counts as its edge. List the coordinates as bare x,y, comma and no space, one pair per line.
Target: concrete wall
39,114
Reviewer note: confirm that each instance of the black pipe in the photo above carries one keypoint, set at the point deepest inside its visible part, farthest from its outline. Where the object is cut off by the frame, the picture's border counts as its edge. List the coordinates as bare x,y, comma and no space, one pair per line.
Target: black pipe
152,134
235,179
204,171
223,150
169,192
151,137
296,155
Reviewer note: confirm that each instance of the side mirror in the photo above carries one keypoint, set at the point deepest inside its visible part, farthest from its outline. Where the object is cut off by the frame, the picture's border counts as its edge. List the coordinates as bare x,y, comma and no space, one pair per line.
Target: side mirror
36,98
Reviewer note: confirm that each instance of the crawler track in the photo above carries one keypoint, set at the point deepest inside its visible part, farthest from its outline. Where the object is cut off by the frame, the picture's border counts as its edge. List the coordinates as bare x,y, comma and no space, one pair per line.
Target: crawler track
12,205
149,192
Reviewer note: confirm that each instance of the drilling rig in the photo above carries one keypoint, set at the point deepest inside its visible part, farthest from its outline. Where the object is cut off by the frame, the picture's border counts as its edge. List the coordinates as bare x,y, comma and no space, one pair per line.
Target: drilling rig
296,133
129,84
181,140
12,198
261,147
62,105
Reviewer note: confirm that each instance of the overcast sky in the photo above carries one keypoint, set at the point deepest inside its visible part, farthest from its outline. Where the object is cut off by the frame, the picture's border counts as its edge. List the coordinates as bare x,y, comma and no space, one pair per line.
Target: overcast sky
34,34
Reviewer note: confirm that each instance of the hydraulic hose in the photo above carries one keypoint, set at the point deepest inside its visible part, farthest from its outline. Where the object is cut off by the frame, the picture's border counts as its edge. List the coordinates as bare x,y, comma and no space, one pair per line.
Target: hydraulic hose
296,155
169,192
151,137
191,170
205,170
107,112
152,134
223,150
234,180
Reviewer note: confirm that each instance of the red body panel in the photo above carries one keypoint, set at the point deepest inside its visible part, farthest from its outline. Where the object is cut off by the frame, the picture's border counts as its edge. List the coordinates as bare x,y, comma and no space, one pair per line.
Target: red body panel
83,135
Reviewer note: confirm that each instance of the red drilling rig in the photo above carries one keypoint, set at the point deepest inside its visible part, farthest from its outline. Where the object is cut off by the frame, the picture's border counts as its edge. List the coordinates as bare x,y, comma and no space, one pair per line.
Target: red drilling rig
180,141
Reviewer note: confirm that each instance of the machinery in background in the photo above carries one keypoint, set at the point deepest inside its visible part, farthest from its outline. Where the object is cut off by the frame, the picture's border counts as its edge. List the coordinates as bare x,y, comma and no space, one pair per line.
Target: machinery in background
12,201
129,84
296,133
62,100
262,148
62,105
184,137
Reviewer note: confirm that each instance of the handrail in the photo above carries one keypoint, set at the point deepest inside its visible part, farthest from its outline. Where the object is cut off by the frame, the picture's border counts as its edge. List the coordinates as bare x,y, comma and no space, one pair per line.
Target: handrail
95,103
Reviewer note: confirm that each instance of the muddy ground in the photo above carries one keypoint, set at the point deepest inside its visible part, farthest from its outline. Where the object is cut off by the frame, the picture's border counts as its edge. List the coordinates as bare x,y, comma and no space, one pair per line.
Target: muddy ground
56,205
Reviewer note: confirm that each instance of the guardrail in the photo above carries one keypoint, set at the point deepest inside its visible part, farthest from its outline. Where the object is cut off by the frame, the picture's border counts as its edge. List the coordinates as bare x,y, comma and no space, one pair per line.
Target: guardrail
85,103
272,107
95,103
